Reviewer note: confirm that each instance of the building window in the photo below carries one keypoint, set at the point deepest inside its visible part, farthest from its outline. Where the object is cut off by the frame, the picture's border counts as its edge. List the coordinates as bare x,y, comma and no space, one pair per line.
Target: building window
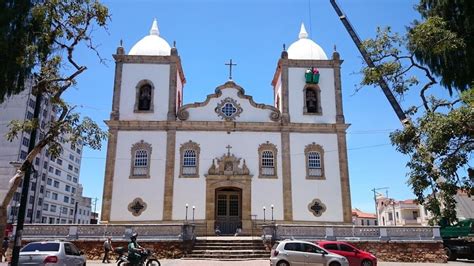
69,177
23,155
70,167
25,141
268,160
37,161
144,96
54,196
56,184
67,188
59,161
140,164
73,190
50,181
45,207
58,172
74,179
312,100
66,199
314,155
189,153
52,208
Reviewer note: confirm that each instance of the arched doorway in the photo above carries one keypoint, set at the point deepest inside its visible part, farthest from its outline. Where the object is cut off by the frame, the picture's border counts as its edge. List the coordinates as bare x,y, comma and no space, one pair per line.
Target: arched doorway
228,210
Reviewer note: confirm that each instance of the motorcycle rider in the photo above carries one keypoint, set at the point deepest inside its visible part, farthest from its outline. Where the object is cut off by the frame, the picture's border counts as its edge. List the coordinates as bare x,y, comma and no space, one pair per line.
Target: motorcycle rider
135,251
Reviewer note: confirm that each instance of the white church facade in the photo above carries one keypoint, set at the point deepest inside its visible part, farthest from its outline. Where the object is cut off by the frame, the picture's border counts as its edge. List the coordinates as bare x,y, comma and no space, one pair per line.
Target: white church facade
227,160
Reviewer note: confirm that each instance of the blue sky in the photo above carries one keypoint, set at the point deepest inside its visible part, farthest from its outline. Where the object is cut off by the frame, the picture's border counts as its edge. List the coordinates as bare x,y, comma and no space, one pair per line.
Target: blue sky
252,33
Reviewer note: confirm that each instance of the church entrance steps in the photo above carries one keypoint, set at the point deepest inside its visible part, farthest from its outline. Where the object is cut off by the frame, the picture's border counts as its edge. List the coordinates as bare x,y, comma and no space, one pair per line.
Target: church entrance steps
229,248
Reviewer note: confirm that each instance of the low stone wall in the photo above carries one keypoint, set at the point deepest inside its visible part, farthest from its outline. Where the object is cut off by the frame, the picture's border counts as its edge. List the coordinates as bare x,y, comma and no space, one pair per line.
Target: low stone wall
163,249
404,251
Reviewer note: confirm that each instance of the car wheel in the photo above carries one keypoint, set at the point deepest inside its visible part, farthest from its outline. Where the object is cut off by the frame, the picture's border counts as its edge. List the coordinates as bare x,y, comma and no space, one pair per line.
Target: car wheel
283,263
122,263
366,263
153,262
334,263
451,255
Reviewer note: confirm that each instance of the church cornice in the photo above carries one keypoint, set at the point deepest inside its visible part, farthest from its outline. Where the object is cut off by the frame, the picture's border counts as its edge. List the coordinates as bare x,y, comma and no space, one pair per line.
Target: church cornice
183,113
227,126
151,59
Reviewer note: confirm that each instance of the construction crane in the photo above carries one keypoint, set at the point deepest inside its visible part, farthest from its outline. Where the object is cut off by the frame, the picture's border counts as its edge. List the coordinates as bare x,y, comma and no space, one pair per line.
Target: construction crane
383,84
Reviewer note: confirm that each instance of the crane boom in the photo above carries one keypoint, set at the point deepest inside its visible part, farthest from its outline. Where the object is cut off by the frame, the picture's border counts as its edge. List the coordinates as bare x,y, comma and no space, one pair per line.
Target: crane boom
383,84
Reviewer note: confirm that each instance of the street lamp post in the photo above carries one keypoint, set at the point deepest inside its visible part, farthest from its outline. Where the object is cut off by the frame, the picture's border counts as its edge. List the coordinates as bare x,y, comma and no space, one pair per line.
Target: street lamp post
194,207
187,212
264,213
272,211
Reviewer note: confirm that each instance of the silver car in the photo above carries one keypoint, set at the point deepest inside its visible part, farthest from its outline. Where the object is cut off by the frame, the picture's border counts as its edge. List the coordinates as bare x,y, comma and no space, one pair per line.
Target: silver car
298,253
51,253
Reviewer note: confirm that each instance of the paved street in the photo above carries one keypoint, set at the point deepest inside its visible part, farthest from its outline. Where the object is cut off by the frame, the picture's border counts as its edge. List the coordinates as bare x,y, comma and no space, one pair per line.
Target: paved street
266,263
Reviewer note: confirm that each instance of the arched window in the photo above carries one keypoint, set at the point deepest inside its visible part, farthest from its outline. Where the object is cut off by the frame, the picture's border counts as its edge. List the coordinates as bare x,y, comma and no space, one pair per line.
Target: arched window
189,159
312,100
144,96
140,165
314,161
267,155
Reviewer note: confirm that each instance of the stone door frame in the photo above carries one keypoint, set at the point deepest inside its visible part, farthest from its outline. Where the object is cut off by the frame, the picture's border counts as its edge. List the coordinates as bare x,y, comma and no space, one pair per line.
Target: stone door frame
216,182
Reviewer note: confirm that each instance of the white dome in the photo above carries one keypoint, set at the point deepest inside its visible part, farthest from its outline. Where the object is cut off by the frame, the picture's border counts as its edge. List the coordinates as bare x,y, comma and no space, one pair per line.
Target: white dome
152,44
305,48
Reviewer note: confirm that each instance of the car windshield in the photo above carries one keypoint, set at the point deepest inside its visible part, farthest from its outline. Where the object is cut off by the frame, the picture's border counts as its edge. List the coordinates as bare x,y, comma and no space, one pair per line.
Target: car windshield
41,247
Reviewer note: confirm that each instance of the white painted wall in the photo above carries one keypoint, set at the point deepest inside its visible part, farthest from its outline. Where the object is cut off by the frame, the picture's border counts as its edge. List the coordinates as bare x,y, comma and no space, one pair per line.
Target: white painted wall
277,92
134,73
244,145
249,113
151,190
304,190
296,97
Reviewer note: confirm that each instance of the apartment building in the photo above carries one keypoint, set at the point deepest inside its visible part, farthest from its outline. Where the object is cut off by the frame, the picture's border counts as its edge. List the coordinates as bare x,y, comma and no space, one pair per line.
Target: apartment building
55,194
400,213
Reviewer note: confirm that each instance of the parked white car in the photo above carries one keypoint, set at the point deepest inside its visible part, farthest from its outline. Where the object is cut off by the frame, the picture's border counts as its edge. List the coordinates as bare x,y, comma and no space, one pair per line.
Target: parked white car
299,253
51,253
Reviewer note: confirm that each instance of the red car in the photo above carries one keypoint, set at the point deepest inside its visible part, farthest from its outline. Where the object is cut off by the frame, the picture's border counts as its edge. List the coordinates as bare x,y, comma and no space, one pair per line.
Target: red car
356,257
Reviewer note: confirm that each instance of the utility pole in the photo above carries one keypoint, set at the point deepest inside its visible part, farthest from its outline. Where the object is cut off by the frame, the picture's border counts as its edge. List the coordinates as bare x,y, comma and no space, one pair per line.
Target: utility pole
375,201
25,188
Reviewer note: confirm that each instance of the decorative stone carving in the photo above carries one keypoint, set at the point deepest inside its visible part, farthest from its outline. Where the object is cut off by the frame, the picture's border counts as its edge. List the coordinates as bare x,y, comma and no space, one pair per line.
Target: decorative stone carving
183,114
228,165
316,207
228,109
137,207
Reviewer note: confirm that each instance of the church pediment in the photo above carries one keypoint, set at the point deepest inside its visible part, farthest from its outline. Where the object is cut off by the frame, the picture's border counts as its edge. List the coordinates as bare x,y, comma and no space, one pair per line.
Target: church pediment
228,165
229,103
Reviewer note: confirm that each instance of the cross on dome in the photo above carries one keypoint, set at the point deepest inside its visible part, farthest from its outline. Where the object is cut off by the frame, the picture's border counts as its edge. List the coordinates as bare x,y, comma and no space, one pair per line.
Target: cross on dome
303,34
154,28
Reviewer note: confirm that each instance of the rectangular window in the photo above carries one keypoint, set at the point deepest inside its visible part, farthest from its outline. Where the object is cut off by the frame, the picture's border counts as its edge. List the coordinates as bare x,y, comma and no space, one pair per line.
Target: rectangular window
70,167
41,189
76,170
69,177
32,103
38,214
59,161
48,194
55,196
66,199
78,150
29,115
74,179
33,186
16,196
45,207
23,155
71,157
40,201
58,172
390,216
43,176
73,200
78,161
67,188
64,210
37,161
25,141
32,200
52,208
73,147
45,165
51,169
49,182
29,213
73,190
56,184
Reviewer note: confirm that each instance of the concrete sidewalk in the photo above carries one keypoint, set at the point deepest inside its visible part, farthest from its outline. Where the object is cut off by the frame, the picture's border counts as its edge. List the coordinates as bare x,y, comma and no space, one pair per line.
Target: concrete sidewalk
180,262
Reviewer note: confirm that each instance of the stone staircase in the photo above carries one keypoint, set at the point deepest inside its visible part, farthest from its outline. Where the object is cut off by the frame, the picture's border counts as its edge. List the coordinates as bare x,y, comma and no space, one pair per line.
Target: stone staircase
228,248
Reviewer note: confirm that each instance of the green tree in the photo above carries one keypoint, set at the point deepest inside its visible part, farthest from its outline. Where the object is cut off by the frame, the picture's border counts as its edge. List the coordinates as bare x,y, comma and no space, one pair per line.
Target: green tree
456,67
61,27
439,139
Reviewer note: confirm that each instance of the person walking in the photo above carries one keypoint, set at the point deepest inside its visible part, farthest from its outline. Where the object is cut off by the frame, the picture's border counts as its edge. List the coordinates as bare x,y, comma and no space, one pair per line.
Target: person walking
107,248
5,244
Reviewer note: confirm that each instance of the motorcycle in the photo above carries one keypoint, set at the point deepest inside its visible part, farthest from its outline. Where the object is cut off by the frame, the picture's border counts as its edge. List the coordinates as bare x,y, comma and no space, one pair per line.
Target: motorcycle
147,258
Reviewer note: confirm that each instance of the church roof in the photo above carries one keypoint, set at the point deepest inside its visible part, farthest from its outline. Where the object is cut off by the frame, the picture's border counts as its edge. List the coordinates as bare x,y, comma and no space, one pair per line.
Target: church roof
152,44
305,48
